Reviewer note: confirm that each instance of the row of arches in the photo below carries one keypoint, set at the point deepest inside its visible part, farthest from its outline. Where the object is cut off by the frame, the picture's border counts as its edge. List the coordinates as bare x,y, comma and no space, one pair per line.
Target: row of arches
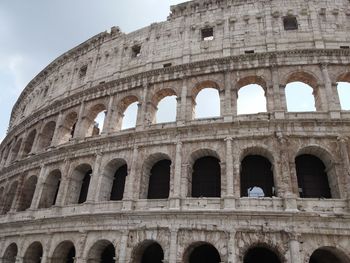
207,100
256,176
151,251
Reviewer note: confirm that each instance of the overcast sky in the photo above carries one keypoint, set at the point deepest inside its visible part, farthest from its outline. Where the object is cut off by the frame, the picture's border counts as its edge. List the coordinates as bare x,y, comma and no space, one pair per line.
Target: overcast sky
35,32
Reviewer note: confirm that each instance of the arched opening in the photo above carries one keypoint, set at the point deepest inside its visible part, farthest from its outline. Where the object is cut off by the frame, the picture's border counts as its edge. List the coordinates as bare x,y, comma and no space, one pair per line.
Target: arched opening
149,252
64,253
10,254
127,113
119,183
15,150
50,189
47,135
327,255
28,145
251,99
166,110
261,254
256,177
344,95
27,193
102,251
206,177
300,97
207,103
79,184
94,121
68,127
204,253
312,177
9,198
159,180
34,253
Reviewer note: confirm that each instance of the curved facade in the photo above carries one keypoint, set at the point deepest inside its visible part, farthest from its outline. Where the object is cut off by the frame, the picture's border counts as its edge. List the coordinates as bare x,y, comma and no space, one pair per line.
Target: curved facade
266,187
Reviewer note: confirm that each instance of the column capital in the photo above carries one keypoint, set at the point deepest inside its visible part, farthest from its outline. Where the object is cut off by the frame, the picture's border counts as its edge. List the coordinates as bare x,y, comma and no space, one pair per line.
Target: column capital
342,139
229,138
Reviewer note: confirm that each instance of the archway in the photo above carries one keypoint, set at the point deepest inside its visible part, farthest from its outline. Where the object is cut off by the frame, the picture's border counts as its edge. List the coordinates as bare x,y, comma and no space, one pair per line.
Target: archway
102,251
10,253
251,99
28,144
203,253
164,106
159,180
79,184
34,253
148,252
207,103
67,130
300,97
344,94
327,255
27,193
261,254
47,135
256,177
9,198
50,189
206,177
16,149
64,253
94,121
118,186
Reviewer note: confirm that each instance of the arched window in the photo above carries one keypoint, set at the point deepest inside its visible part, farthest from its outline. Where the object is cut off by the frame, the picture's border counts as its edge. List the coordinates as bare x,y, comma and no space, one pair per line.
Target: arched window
206,177
102,251
119,183
328,254
300,97
261,254
68,128
251,99
50,189
204,253
16,149
79,184
151,252
27,193
166,110
312,177
344,95
47,135
9,198
130,116
94,121
256,177
10,253
34,253
29,142
159,180
207,103
64,253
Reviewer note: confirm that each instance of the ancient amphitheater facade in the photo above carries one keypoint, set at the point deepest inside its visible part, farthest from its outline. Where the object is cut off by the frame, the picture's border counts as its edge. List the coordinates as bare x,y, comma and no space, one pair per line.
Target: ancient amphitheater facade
179,191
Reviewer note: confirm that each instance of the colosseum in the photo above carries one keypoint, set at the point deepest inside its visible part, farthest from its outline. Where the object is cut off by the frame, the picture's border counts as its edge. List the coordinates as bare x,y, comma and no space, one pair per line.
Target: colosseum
267,187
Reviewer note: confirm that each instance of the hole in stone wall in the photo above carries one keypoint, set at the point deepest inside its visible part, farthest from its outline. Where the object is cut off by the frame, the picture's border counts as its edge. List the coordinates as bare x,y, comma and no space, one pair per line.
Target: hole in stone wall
130,116
207,34
166,110
312,177
207,103
251,99
159,180
136,51
206,177
260,254
290,23
119,183
344,95
300,97
205,253
83,71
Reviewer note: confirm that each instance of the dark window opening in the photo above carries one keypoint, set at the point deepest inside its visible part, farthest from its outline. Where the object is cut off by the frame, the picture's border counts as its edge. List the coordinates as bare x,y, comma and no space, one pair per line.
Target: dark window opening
167,65
119,183
290,23
70,256
27,194
83,71
153,254
324,256
206,177
249,52
136,51
260,254
159,180
344,47
207,34
312,178
34,253
56,193
85,187
108,254
205,254
72,131
256,177
11,253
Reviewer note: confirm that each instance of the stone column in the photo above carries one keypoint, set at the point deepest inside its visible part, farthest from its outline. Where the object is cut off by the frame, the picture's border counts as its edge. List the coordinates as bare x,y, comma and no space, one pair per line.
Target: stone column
37,138
175,202
62,192
59,124
294,248
181,116
231,248
343,143
229,199
123,248
108,123
39,188
227,105
129,192
79,132
236,172
173,245
279,102
142,113
95,183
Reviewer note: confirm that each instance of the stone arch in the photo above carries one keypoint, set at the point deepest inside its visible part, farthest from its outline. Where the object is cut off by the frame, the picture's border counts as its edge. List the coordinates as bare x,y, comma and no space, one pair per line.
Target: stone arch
68,127
79,184
27,193
149,251
102,251
15,150
343,77
257,150
122,106
200,86
113,182
10,197
65,252
328,254
147,167
252,79
11,253
89,125
50,189
34,253
156,99
47,135
262,252
329,168
205,180
29,142
202,252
